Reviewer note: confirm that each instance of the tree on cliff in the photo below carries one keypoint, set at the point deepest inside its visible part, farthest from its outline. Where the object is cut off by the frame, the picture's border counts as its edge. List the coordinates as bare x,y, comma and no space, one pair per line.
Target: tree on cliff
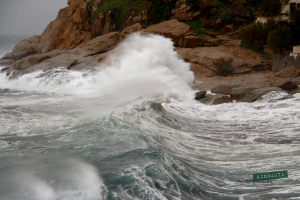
271,8
254,36
280,38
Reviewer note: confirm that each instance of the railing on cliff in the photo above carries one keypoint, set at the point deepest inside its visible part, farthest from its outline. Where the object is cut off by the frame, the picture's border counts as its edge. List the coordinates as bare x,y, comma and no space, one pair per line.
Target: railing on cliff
286,59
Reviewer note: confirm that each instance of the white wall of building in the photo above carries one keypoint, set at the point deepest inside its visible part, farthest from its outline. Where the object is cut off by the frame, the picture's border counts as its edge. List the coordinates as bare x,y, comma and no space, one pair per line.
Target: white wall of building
287,8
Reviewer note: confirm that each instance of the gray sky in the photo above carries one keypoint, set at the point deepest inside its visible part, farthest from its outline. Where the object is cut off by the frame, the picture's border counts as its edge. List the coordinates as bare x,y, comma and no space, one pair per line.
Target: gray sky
28,17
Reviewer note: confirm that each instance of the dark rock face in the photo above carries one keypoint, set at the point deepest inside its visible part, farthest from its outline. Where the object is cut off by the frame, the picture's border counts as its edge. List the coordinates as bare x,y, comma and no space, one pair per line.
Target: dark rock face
240,92
254,95
285,84
288,72
83,57
216,99
200,95
295,91
225,88
221,100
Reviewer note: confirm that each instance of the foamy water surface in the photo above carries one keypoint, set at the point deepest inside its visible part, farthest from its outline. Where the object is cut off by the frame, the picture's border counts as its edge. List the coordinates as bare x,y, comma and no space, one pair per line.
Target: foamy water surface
103,135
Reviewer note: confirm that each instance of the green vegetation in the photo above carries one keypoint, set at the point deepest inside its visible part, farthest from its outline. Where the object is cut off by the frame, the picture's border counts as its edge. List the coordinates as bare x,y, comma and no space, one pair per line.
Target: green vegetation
227,18
160,11
223,66
235,12
123,5
254,36
216,3
122,9
194,4
280,38
196,25
270,7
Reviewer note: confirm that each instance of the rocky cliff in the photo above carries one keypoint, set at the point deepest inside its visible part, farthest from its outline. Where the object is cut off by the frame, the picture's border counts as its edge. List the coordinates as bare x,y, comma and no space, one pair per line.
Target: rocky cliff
86,31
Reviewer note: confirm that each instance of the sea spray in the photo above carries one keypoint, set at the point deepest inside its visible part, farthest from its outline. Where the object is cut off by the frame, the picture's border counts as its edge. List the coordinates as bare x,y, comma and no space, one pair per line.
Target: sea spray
183,150
141,65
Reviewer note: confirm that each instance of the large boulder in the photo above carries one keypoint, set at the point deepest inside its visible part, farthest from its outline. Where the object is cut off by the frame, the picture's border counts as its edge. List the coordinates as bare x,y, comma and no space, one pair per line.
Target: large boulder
288,72
172,29
256,94
85,56
201,70
225,88
102,43
295,91
24,48
244,60
221,100
131,29
285,84
240,92
200,95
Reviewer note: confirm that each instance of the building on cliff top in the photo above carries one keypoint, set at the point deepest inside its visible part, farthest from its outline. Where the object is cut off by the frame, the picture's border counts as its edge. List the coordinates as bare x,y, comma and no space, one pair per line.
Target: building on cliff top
291,7
286,12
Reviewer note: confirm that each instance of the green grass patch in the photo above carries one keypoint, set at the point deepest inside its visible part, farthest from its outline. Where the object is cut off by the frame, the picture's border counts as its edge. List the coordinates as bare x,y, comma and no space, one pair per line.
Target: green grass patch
196,25
124,5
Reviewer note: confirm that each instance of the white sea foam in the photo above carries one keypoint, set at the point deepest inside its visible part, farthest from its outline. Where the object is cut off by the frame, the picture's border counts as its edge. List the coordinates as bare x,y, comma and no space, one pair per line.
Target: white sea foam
141,65
270,108
35,180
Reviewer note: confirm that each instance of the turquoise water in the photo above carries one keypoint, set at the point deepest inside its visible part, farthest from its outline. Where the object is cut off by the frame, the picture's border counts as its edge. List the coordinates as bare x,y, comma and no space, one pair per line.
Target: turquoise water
119,135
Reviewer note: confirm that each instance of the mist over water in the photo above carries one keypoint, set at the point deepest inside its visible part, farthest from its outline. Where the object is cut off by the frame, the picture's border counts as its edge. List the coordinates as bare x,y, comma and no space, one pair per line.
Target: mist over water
104,135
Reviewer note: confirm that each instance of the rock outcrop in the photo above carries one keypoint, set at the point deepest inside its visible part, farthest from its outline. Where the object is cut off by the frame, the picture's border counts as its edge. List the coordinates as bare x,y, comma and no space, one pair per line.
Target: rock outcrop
86,56
244,60
81,37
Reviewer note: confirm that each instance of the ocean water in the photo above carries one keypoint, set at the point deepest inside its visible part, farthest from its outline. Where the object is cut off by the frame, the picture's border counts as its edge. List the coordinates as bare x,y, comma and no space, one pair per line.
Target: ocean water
131,130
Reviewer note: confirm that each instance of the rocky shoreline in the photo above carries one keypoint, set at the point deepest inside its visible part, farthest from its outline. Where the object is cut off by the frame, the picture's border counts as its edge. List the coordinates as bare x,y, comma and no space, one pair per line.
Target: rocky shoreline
62,46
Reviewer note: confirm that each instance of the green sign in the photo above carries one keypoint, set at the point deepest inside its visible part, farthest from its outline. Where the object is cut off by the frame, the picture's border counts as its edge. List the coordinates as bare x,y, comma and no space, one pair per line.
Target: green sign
270,175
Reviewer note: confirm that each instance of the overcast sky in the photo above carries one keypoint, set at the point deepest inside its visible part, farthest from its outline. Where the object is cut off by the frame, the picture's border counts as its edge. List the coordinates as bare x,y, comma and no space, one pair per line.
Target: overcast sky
28,17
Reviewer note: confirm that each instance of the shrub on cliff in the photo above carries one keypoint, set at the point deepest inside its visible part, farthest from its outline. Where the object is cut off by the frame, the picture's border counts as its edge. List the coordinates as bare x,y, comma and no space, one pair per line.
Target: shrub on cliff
280,38
160,10
254,36
223,66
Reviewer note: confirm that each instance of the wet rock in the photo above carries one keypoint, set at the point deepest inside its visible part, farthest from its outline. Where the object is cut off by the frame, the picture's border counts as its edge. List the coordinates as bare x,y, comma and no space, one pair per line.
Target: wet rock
207,83
288,72
295,91
102,43
209,98
240,92
221,100
201,71
172,29
254,95
85,56
225,88
200,95
9,56
191,41
244,60
285,142
21,50
131,29
286,84
30,61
